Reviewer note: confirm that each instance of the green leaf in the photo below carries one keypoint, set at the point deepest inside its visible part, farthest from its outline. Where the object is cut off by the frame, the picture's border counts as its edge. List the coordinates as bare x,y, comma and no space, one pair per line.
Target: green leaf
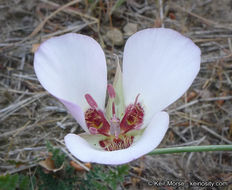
9,182
57,155
24,182
104,178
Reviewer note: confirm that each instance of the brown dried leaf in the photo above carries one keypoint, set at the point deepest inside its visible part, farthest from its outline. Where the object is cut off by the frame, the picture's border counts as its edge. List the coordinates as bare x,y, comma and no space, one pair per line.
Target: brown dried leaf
172,15
137,170
135,181
49,165
34,47
221,102
191,95
183,124
78,167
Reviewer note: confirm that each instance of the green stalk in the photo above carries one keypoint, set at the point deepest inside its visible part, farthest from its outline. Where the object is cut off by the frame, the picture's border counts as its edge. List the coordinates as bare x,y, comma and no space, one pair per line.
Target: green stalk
205,148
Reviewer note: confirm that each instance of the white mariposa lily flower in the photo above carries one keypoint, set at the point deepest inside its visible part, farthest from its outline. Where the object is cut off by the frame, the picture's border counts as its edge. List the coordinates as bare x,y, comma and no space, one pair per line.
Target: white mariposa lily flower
159,65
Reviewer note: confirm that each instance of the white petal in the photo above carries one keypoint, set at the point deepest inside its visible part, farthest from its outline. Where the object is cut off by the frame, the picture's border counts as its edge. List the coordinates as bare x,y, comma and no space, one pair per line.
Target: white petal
150,139
160,65
70,66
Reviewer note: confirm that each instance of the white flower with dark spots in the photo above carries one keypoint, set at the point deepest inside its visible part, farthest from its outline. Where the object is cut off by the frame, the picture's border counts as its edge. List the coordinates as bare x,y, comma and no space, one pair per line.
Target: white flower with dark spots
159,65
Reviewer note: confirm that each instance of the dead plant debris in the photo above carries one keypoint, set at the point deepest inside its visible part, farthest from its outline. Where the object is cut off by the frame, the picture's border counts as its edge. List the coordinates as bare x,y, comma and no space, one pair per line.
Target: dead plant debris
29,116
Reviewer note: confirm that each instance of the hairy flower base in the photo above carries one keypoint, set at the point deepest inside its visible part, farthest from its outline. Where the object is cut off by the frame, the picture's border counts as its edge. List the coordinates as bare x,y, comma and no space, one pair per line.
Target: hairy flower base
112,143
115,130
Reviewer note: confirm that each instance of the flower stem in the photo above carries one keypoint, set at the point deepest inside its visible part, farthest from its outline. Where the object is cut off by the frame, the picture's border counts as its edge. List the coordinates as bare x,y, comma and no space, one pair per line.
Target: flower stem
205,148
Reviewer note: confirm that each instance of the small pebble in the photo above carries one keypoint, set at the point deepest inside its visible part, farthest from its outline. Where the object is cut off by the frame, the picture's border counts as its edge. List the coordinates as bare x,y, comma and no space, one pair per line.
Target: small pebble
130,28
115,36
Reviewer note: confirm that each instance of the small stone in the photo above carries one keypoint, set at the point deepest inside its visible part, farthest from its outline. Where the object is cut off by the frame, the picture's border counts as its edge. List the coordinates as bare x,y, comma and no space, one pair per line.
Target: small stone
130,28
115,36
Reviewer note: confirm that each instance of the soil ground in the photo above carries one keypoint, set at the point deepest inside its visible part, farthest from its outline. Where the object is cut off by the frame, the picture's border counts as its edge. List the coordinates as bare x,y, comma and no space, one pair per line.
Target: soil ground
29,116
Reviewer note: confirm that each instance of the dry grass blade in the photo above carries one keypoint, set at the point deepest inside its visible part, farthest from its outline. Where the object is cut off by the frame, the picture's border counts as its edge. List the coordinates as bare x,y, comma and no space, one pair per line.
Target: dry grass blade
206,21
8,111
40,26
29,117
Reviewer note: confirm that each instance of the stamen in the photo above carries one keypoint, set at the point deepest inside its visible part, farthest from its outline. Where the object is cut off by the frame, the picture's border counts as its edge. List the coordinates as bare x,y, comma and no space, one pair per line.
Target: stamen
136,99
91,101
111,91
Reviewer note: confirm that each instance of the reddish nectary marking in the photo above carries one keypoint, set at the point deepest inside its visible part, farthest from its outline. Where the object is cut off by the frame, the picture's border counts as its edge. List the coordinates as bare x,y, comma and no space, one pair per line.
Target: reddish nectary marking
111,91
133,117
96,119
113,109
117,143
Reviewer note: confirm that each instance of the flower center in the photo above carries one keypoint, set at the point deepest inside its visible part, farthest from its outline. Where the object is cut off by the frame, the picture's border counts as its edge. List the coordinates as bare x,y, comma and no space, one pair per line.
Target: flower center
115,130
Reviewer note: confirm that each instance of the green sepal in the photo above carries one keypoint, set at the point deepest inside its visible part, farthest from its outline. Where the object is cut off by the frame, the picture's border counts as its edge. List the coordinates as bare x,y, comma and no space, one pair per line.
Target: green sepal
136,133
119,99
93,140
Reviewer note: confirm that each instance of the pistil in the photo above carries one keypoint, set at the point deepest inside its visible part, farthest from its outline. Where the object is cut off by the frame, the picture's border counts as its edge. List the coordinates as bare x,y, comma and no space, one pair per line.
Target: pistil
114,121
